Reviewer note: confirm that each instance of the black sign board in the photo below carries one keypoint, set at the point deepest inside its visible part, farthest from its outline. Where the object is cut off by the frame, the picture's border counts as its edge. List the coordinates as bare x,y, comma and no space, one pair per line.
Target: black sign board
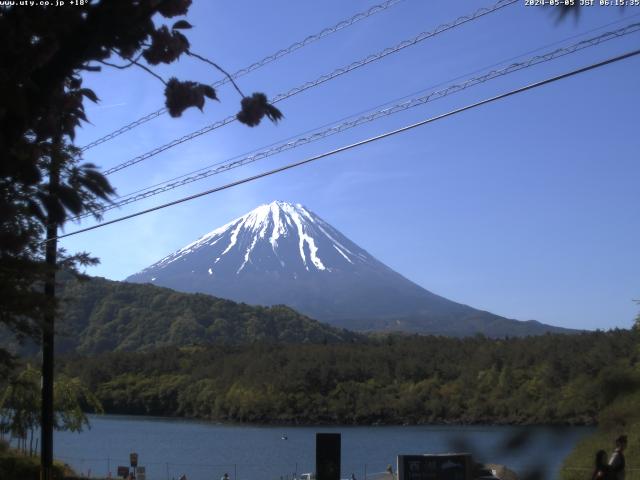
123,471
454,466
133,459
327,456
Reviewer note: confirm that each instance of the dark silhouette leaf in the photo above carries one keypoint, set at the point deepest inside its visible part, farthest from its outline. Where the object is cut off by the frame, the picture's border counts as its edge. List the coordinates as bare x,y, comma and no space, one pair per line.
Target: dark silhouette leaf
182,95
254,108
90,94
209,92
181,25
173,8
166,46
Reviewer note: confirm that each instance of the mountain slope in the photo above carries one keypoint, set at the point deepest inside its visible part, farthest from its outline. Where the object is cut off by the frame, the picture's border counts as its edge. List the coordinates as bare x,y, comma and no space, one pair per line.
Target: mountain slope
282,253
100,315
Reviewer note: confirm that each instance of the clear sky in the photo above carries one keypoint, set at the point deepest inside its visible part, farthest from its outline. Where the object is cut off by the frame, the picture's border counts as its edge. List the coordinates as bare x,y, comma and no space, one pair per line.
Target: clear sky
528,207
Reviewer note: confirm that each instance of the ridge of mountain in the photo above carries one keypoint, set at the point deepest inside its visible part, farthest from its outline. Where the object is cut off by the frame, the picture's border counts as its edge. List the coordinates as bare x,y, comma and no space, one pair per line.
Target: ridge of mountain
99,315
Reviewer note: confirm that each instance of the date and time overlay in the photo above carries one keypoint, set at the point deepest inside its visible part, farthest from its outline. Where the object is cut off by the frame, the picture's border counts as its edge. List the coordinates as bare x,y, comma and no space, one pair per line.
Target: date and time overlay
582,3
526,3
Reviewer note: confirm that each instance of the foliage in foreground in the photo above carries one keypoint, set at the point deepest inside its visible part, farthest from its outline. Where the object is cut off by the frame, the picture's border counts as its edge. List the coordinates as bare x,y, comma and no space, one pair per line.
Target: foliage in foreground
14,465
621,417
556,379
21,400
45,55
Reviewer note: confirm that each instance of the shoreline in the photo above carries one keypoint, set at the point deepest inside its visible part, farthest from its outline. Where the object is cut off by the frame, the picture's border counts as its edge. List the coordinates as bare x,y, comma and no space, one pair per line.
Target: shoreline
231,423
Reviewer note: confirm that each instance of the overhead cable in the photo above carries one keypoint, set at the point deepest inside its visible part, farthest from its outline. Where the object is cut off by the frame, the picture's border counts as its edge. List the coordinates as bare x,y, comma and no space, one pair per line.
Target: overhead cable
356,144
460,77
318,81
325,32
221,167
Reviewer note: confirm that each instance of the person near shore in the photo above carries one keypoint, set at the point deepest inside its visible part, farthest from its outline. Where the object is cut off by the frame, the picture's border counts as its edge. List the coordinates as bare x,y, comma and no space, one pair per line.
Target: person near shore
617,461
601,470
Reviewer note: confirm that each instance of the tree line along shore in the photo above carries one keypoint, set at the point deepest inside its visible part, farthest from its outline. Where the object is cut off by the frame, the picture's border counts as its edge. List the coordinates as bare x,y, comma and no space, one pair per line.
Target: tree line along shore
590,378
550,379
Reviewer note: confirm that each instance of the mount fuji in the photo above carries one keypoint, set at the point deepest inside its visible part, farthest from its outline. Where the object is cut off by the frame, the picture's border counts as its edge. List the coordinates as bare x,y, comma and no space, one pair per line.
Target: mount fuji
283,253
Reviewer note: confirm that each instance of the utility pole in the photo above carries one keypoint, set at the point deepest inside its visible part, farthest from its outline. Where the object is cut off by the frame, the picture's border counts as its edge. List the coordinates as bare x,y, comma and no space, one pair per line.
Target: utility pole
48,326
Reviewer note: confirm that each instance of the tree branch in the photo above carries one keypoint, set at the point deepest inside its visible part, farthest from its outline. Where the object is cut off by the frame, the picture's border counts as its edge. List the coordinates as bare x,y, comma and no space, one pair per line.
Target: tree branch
215,65
133,61
122,67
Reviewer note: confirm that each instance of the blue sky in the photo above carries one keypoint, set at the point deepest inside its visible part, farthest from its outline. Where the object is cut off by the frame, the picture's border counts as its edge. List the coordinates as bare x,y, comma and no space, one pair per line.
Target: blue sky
527,207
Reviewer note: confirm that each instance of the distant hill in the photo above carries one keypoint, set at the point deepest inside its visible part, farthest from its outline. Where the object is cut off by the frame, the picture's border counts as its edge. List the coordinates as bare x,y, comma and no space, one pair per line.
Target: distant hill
100,315
459,324
282,253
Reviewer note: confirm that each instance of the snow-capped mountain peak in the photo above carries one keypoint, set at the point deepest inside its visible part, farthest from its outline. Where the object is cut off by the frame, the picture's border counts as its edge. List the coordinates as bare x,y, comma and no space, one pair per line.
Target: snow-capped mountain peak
297,239
282,253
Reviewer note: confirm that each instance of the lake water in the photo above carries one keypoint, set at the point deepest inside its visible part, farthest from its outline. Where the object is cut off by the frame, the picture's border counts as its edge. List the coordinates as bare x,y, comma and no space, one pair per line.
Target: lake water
205,451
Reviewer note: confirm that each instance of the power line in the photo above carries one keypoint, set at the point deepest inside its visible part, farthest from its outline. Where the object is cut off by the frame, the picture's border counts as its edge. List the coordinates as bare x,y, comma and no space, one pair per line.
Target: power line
497,64
325,32
358,144
316,134
318,81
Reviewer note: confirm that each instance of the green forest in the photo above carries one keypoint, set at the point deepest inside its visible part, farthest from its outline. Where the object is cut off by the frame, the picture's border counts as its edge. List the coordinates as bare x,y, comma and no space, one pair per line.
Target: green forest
98,315
551,379
145,350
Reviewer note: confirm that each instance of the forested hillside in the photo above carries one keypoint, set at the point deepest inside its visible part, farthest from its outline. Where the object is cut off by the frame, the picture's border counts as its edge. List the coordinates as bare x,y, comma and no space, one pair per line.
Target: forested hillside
549,379
99,315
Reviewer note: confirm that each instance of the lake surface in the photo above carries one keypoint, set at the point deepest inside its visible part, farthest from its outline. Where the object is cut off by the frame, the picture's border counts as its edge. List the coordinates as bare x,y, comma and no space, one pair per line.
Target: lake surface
205,451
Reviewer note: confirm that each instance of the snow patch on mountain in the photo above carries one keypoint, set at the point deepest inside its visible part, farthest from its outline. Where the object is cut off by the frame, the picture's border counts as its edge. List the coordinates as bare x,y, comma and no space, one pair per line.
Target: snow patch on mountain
273,222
